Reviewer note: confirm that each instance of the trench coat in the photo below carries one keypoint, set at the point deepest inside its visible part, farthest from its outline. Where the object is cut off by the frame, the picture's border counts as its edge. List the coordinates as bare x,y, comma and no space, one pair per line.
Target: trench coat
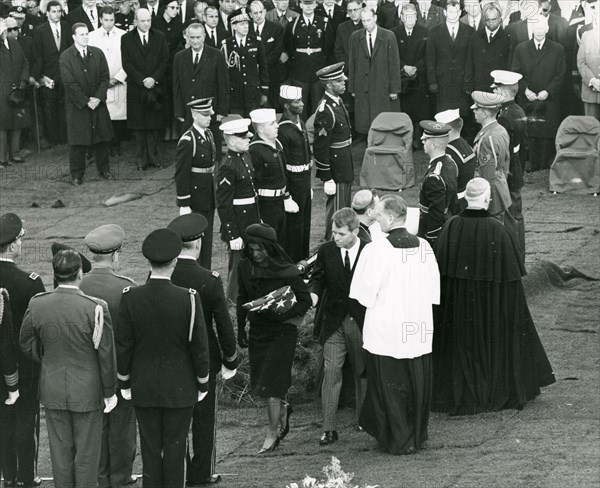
14,68
83,79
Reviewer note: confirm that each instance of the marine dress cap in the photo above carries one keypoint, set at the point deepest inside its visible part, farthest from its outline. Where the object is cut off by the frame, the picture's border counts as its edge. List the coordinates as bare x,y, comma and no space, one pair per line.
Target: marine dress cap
236,127
503,77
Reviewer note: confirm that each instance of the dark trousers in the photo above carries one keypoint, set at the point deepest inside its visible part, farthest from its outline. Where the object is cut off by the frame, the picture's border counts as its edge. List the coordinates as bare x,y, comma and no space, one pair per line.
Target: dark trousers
217,136
75,439
20,431
201,466
121,132
592,109
232,281
205,258
118,445
163,442
272,212
517,223
147,144
541,152
297,225
77,158
53,114
341,199
312,92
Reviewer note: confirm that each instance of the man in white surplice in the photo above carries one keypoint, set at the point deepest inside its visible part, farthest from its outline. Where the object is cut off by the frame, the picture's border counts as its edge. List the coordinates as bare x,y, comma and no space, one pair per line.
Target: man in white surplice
108,38
397,280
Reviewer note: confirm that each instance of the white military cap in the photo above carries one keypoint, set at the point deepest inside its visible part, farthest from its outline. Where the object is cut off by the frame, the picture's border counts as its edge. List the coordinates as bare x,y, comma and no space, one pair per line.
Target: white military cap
262,115
503,77
448,116
236,127
289,92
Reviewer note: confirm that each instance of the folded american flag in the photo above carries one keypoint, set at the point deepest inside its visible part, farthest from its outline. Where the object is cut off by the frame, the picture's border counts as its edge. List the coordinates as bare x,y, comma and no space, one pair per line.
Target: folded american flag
278,301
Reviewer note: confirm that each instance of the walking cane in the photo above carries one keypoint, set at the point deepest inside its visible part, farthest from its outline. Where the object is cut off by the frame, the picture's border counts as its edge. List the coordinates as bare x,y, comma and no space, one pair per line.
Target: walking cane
37,122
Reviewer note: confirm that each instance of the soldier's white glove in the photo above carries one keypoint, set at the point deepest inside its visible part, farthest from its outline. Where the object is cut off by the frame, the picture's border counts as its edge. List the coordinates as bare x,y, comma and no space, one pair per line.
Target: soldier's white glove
329,188
12,397
110,403
227,373
236,244
312,193
201,395
126,394
185,210
290,206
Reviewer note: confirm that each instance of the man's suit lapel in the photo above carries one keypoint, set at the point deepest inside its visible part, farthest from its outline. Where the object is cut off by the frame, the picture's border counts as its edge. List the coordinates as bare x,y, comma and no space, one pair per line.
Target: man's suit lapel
376,44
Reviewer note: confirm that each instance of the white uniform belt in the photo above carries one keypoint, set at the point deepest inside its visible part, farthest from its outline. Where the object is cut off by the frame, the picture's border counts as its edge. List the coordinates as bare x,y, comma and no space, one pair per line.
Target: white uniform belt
298,168
244,201
339,145
210,169
308,50
425,209
267,192
516,148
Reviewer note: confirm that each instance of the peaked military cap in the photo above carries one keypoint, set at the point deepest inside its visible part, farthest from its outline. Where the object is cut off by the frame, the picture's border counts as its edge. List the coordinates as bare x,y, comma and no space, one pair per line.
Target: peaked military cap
11,228
105,239
238,15
487,100
202,105
432,128
333,72
189,227
161,246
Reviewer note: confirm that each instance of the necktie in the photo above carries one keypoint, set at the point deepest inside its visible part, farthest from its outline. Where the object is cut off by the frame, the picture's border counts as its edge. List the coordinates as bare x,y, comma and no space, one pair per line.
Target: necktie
84,54
539,47
453,34
153,12
145,40
370,45
347,267
92,15
57,38
473,23
408,33
196,59
491,37
211,36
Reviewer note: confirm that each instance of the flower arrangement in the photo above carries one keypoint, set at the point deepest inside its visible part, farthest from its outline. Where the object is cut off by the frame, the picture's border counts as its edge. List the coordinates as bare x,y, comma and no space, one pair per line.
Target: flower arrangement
336,478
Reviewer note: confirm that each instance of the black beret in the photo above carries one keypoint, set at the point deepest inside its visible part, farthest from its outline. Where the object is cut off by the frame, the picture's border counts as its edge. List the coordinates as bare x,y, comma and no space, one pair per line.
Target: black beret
11,228
262,231
189,227
161,246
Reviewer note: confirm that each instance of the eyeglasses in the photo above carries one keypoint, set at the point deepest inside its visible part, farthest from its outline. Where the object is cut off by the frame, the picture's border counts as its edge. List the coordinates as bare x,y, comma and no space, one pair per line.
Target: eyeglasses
175,7
354,9
493,19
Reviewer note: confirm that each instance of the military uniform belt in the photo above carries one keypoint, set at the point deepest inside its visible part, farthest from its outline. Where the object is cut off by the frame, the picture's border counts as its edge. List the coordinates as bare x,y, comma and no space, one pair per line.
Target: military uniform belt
267,192
210,169
298,168
308,50
425,209
244,201
341,144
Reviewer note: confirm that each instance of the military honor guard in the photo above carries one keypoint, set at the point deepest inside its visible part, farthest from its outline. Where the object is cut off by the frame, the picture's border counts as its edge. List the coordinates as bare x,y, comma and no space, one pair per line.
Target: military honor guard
85,354
247,63
20,431
492,147
195,160
119,429
163,363
298,166
309,41
268,160
331,146
513,119
437,187
222,346
237,202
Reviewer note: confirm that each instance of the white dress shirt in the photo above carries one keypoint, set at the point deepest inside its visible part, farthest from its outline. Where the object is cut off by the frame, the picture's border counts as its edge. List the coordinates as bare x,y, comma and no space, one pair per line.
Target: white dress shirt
352,253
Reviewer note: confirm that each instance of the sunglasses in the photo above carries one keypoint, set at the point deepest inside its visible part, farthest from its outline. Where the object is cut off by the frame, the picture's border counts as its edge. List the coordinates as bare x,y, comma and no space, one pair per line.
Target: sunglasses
12,29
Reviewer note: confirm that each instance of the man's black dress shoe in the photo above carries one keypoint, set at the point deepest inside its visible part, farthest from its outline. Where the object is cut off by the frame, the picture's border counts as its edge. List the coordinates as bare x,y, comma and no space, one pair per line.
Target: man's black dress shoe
215,478
328,437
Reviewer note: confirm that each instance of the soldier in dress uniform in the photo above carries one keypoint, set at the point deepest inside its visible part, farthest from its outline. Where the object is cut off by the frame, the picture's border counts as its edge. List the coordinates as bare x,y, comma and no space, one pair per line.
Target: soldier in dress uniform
492,147
331,146
20,429
247,63
461,153
163,362
512,117
298,165
268,160
436,192
237,202
118,427
194,171
222,346
309,43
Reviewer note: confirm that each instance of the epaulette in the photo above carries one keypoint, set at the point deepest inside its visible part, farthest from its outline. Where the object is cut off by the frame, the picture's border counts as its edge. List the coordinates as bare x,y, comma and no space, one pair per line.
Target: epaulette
126,289
40,294
34,276
438,168
131,280
185,137
322,105
215,274
192,291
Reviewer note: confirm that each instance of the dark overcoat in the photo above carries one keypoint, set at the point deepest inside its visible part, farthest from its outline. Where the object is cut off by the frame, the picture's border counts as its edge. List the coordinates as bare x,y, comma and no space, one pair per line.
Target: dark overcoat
484,57
14,68
84,79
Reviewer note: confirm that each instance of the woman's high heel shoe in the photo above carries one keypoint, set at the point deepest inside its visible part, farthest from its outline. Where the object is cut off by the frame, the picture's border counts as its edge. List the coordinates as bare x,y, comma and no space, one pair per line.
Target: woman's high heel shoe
283,432
271,448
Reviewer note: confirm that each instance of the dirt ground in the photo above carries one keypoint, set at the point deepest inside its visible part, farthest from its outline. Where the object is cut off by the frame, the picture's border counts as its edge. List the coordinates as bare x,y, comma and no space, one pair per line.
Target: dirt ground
552,442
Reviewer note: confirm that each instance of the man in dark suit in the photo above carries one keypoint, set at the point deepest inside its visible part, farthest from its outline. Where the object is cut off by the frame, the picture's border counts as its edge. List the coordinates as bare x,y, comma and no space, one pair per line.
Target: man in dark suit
215,32
270,34
414,95
119,429
335,13
345,30
200,72
20,432
281,14
51,39
488,51
429,15
85,355
222,345
186,11
339,320
226,8
145,58
87,14
163,360
84,72
473,17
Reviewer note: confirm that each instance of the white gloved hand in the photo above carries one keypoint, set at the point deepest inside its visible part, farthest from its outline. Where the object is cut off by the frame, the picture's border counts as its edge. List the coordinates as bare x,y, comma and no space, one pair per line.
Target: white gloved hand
236,244
110,403
315,299
290,206
126,394
201,395
312,193
185,210
227,373
329,187
12,397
